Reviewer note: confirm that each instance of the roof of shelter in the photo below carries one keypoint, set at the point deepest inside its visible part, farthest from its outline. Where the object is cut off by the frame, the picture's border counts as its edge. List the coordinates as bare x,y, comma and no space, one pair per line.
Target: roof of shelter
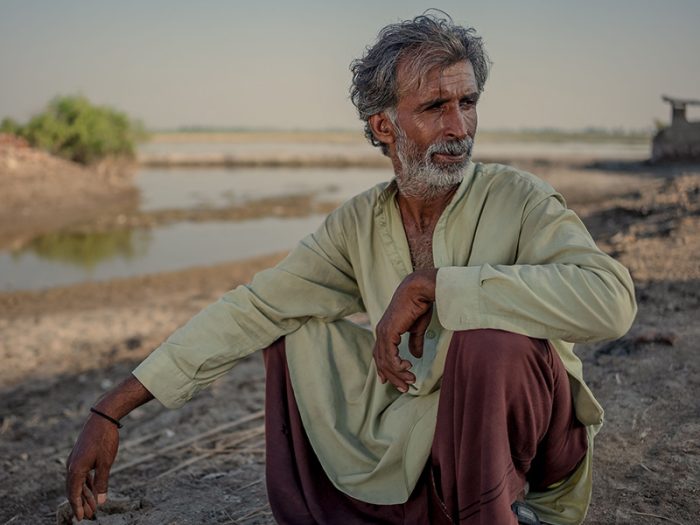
681,101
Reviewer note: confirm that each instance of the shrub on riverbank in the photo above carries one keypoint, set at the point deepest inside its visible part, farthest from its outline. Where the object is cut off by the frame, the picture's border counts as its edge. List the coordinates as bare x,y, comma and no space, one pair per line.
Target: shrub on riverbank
73,128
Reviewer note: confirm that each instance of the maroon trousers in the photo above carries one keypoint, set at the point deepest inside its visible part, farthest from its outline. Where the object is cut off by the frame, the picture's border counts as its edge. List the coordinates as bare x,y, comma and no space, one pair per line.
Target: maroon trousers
505,417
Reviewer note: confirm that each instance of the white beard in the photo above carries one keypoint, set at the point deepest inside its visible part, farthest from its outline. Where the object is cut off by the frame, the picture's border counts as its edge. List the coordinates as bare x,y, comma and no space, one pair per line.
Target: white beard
420,176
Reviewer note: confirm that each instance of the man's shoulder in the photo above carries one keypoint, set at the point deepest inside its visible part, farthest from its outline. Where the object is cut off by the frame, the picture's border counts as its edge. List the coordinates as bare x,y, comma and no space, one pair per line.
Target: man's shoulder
364,202
356,211
494,177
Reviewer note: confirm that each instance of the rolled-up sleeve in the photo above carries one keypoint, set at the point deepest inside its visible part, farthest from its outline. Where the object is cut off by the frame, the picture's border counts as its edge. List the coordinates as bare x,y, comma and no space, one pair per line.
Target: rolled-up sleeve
314,280
561,285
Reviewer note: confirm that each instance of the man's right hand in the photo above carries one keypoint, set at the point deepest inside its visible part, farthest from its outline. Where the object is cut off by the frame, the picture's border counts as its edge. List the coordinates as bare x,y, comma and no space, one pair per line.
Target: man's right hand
409,311
88,466
96,447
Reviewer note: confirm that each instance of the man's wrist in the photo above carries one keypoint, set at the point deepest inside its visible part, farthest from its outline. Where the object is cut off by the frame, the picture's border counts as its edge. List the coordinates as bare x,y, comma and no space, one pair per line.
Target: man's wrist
124,398
106,417
425,282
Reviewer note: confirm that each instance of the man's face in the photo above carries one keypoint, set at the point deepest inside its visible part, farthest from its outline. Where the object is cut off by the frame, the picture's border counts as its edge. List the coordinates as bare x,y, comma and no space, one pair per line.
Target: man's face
436,124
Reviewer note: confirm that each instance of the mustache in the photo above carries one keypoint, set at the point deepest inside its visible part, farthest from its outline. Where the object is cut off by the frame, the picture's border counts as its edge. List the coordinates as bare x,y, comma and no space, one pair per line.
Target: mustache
451,147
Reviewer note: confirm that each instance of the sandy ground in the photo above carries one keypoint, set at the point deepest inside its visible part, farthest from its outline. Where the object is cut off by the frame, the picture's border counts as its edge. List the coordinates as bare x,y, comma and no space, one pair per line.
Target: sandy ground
64,347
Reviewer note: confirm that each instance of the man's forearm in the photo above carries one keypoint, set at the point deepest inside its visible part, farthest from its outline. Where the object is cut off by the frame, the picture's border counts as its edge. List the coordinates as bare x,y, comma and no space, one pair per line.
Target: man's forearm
124,398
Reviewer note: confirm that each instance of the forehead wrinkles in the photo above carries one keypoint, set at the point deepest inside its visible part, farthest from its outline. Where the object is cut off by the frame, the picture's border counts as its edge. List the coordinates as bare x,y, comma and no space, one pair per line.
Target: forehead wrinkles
414,70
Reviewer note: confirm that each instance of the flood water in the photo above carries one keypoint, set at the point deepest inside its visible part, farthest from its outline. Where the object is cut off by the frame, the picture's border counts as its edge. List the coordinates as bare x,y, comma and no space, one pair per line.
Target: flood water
483,148
220,187
61,259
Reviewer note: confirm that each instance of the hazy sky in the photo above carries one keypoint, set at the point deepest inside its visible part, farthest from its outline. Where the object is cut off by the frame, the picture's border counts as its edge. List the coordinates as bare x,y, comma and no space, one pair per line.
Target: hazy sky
566,63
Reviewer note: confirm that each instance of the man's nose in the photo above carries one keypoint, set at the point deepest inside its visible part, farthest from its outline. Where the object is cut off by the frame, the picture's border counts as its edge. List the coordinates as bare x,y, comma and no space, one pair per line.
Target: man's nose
455,124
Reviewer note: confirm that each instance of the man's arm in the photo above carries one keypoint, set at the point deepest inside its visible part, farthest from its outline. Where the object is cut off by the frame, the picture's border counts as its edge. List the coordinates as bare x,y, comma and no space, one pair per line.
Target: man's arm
560,287
96,447
316,279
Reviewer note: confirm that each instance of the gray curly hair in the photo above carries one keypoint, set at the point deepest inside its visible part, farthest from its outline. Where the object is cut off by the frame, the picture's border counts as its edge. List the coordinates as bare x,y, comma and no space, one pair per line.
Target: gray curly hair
428,41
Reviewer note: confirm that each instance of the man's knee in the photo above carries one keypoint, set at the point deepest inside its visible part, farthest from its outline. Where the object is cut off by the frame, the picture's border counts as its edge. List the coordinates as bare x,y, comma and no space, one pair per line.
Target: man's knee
495,351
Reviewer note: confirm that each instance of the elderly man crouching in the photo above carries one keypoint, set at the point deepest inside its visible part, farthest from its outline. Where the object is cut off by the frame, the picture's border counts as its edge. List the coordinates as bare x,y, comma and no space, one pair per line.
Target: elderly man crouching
466,403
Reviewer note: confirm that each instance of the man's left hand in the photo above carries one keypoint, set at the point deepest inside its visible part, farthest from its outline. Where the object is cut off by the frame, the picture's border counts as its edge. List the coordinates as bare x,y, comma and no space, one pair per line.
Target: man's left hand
410,311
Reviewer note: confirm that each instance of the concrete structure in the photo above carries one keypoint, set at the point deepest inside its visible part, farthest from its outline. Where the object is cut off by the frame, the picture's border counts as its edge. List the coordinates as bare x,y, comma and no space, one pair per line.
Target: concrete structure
681,140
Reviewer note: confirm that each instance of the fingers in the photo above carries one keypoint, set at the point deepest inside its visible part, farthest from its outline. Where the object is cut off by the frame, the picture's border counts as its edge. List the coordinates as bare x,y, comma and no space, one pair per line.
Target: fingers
401,380
392,368
81,495
74,488
89,502
97,486
100,483
415,344
417,333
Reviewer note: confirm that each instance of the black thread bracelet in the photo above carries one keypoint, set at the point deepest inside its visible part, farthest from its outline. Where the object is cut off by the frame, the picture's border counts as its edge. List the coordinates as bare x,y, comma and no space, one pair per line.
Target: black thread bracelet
108,418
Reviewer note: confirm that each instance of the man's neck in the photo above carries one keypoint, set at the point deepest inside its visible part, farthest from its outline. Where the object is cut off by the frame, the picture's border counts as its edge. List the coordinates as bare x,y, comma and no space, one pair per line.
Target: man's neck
424,212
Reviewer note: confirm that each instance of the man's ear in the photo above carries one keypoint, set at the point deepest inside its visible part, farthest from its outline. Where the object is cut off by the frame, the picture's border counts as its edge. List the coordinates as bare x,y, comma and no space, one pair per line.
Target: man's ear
382,128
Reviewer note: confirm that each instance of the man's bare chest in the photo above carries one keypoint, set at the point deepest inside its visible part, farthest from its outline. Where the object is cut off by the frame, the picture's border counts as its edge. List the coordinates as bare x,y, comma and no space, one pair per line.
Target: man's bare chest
420,245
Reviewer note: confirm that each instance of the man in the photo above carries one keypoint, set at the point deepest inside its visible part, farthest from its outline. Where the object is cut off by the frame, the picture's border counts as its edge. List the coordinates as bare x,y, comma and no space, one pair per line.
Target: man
466,403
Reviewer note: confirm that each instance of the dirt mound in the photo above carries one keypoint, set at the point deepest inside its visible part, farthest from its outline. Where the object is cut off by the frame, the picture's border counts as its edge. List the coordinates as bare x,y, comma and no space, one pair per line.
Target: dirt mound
42,193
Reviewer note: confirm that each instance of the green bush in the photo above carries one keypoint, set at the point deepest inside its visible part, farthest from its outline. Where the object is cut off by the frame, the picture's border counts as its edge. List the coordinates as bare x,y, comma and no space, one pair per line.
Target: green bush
73,128
9,125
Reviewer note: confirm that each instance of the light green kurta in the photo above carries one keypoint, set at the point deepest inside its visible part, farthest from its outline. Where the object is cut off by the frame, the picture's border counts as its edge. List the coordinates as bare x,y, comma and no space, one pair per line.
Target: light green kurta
510,256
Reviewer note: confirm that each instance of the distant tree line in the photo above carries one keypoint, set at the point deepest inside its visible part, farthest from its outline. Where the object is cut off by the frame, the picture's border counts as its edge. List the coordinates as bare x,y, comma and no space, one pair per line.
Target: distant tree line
75,129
